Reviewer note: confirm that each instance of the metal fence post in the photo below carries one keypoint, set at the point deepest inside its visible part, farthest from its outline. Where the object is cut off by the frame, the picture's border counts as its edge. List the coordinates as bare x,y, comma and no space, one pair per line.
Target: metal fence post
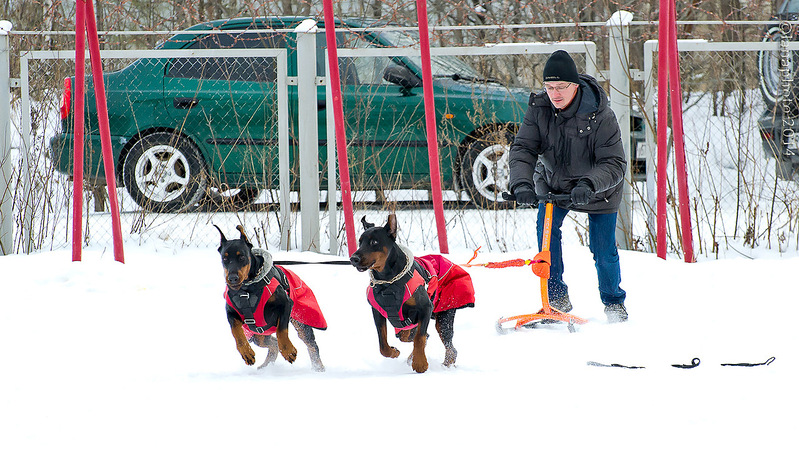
6,191
308,134
619,77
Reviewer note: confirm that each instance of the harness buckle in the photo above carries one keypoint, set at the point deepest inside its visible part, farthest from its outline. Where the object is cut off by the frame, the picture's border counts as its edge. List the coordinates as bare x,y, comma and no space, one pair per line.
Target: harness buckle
249,321
244,295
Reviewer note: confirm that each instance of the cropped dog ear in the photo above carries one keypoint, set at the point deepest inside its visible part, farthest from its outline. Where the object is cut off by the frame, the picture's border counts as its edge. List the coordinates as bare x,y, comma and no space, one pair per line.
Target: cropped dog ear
243,235
391,226
366,224
222,239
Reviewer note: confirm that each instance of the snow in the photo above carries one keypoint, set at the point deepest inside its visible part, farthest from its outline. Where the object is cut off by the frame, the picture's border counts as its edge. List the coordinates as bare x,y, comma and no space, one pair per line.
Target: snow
99,354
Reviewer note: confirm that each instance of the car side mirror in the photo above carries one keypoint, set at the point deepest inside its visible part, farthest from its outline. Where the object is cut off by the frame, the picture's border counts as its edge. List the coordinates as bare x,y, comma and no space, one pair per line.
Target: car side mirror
401,76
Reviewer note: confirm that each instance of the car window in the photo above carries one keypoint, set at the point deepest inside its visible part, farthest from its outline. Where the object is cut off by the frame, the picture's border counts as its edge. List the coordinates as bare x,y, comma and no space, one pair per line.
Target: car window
346,69
370,69
260,69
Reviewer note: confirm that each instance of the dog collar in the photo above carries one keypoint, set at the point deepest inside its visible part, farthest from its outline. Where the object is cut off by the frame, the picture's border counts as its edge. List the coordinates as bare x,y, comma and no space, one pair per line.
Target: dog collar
406,270
265,268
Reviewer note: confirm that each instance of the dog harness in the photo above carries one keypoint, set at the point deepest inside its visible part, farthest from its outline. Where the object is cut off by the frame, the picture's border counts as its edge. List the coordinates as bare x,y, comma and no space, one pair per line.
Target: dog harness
447,285
250,306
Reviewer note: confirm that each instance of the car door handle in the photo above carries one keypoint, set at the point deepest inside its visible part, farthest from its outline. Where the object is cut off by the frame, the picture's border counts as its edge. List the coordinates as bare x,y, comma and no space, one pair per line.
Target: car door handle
185,103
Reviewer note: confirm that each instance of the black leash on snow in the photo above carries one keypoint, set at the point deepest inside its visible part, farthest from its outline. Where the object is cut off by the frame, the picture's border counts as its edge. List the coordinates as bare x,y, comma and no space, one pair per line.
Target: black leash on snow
694,363
767,362
615,365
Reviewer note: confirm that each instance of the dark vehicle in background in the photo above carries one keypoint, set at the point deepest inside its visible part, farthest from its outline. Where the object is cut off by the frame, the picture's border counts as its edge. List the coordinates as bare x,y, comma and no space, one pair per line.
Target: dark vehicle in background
779,123
188,129
768,62
780,136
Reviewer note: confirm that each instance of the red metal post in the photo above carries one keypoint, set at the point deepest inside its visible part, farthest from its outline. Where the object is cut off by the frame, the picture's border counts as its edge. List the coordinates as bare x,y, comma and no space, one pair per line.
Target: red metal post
341,138
679,141
77,121
664,28
430,121
105,133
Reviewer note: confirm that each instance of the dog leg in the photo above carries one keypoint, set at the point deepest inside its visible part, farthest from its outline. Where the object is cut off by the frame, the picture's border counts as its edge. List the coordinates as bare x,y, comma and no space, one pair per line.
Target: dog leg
270,343
287,350
307,336
242,345
419,359
445,325
382,336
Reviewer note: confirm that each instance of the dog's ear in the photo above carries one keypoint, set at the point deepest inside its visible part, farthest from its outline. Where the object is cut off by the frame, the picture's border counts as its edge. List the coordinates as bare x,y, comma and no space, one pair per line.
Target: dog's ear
391,226
243,235
366,224
222,239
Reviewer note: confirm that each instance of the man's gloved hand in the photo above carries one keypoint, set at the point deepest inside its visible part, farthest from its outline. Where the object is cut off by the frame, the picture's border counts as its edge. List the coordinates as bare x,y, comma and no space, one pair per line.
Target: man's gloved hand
582,193
525,195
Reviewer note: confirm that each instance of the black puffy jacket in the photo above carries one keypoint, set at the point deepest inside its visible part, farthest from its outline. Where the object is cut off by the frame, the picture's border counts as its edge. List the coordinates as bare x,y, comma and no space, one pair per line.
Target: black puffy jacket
554,149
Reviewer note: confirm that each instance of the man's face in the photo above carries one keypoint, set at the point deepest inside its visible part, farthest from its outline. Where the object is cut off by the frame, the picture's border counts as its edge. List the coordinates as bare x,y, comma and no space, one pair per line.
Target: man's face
561,93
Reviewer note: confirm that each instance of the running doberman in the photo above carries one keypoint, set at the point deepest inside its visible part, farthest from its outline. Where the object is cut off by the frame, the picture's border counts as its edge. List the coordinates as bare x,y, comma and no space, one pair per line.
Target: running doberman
261,300
409,291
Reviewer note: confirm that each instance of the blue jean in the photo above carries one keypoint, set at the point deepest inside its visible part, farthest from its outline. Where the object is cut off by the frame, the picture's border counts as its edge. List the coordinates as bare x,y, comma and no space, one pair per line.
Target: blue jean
602,242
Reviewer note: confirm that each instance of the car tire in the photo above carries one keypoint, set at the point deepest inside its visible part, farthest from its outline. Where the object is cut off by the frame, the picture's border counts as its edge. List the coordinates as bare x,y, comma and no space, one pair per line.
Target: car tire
484,168
768,65
165,173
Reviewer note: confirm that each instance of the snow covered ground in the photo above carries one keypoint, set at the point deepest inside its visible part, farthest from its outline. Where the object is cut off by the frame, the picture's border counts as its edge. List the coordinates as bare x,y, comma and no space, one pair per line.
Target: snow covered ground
99,354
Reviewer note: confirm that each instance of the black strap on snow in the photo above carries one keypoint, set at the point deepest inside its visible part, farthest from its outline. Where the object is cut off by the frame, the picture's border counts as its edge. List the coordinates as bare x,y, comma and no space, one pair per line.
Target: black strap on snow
694,364
614,365
767,362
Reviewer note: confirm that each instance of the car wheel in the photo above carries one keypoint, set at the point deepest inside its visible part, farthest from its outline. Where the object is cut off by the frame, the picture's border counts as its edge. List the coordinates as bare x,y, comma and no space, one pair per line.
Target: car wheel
485,171
164,173
230,199
768,65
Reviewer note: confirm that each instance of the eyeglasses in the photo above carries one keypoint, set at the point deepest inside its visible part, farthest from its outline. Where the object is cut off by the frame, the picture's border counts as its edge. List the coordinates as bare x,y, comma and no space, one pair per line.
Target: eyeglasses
558,89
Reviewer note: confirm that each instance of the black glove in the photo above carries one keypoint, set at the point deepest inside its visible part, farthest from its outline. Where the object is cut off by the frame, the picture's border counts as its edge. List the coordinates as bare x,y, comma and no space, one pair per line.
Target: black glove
525,195
582,193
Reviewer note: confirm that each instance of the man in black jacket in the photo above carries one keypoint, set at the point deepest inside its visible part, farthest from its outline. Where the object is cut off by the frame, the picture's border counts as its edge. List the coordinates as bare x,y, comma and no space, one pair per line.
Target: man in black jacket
570,142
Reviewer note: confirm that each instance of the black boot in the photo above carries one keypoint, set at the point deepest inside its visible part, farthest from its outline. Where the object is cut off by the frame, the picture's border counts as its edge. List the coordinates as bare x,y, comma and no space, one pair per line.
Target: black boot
616,313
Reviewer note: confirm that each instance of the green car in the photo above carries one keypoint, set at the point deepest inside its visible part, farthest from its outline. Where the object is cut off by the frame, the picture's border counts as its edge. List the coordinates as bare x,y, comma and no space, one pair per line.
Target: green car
188,130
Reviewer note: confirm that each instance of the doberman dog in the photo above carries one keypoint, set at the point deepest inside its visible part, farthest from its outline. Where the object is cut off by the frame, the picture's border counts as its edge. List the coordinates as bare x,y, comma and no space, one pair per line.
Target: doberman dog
409,291
261,300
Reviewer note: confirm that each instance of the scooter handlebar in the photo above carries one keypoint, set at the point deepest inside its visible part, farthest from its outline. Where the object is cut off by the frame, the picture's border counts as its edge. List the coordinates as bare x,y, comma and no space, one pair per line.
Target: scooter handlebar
548,198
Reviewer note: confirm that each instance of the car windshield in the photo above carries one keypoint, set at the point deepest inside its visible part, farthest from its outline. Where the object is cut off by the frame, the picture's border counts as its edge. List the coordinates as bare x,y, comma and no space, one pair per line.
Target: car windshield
442,66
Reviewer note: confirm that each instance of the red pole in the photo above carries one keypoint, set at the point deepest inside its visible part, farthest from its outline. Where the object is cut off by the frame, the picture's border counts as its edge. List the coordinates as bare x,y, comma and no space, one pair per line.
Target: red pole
105,133
77,121
430,121
341,138
664,26
679,142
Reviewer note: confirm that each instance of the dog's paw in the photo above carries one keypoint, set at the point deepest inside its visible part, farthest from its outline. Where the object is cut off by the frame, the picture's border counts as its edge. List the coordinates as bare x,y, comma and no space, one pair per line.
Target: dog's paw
247,354
419,364
289,352
449,357
318,366
391,352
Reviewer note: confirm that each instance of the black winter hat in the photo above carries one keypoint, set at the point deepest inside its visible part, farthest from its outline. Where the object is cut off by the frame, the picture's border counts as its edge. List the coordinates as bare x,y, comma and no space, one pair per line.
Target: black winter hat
561,67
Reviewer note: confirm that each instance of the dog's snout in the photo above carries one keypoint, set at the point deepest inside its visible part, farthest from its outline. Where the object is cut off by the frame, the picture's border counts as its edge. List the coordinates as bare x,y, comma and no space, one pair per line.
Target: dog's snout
233,278
355,259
